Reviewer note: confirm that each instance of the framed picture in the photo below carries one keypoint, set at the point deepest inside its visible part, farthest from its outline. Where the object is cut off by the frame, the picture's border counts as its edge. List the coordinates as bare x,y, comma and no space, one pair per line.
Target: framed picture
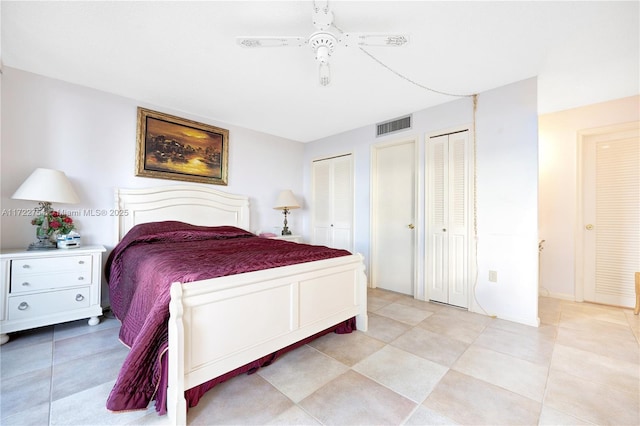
176,148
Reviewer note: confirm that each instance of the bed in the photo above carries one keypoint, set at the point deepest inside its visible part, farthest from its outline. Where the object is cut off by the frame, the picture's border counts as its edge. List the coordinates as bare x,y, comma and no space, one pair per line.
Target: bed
209,335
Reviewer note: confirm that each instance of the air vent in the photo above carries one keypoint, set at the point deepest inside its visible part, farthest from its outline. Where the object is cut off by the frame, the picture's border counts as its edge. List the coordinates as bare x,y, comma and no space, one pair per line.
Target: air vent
393,126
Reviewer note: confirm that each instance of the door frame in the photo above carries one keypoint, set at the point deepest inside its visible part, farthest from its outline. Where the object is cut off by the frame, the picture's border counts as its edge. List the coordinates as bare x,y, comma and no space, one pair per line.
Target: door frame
472,237
579,252
372,213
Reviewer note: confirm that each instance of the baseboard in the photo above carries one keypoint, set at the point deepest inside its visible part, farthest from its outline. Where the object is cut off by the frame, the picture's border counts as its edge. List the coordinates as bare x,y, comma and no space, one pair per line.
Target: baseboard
546,293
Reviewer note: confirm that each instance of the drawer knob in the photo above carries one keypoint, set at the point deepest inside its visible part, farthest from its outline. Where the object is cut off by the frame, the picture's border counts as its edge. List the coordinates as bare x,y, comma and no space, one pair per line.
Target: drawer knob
23,306
25,266
81,262
25,284
80,278
79,297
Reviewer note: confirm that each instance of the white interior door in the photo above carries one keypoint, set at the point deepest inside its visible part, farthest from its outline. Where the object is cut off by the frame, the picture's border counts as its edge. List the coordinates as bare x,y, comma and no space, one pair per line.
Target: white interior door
332,202
447,217
611,216
393,214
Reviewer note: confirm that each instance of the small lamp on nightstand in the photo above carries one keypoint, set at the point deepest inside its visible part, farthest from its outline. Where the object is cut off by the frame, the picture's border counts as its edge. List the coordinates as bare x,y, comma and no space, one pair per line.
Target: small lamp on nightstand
46,186
286,201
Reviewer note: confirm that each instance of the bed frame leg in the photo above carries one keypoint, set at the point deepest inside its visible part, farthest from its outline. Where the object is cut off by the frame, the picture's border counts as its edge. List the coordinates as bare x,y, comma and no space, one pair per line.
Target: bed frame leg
176,403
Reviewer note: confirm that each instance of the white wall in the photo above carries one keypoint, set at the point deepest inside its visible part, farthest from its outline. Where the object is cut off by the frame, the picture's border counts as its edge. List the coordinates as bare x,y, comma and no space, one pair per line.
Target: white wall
507,191
91,136
558,186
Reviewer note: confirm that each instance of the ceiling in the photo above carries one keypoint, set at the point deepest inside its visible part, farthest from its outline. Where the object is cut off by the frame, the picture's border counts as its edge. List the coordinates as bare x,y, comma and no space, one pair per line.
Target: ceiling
183,56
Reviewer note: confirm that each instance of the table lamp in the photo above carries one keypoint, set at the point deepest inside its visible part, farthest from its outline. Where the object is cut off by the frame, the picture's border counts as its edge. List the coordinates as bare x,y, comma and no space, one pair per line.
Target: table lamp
46,186
286,201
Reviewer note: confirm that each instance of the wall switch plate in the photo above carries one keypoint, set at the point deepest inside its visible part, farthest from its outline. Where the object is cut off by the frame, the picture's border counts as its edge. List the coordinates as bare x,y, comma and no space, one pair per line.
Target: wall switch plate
493,276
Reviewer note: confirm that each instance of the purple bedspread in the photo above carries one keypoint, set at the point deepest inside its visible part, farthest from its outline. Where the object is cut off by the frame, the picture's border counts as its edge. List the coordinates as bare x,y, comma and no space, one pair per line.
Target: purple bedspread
140,271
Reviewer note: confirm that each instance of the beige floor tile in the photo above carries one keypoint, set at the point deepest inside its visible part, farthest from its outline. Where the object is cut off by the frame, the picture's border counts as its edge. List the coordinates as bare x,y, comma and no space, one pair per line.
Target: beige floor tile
78,347
294,416
404,313
549,304
544,331
385,329
347,348
549,318
591,401
301,372
528,346
407,374
419,304
389,296
517,375
573,318
36,415
242,400
432,346
374,303
634,322
352,399
25,359
80,327
88,408
552,417
470,401
465,331
612,341
104,366
21,393
596,368
459,314
29,337
425,416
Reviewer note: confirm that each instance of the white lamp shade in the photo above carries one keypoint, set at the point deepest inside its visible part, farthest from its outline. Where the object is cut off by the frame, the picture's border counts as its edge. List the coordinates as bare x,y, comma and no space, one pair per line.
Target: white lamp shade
286,200
47,185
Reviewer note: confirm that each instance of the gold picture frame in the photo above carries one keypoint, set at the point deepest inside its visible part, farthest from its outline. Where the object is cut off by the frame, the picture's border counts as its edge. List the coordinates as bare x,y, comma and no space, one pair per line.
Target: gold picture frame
175,148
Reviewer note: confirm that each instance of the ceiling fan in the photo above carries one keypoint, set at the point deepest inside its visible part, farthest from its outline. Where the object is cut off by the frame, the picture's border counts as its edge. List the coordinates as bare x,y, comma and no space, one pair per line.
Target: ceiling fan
323,42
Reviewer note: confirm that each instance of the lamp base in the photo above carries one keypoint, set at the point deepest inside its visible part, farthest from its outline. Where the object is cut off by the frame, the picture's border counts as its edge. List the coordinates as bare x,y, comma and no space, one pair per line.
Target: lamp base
42,245
286,231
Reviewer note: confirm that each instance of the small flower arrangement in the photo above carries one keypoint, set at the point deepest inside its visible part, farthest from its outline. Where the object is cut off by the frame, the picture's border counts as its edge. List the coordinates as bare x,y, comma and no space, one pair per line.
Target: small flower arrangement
58,223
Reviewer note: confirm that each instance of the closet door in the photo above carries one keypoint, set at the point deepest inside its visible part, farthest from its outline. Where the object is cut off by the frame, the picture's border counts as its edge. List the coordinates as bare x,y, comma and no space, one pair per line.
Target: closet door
447,199
332,202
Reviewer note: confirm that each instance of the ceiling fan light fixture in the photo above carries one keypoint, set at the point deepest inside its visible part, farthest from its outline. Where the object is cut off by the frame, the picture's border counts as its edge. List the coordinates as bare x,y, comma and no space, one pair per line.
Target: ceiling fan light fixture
322,54
325,74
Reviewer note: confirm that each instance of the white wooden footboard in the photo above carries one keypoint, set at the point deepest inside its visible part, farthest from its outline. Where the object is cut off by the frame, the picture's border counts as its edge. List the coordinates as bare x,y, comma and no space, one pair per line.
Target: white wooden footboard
221,324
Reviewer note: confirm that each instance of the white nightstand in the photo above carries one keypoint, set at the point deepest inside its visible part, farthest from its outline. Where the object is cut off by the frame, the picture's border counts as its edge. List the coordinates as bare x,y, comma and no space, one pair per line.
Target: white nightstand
39,288
294,238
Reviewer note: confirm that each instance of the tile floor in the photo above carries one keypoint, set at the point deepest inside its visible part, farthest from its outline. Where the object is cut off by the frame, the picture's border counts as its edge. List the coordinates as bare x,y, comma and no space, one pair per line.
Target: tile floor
420,363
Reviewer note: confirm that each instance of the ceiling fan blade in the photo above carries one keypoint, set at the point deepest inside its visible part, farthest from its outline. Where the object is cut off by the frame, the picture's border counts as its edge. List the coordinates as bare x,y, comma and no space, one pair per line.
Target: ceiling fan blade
373,39
271,41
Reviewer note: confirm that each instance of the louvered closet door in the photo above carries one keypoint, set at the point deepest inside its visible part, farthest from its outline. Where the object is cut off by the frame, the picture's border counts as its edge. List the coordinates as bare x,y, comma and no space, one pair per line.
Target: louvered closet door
611,199
447,219
332,202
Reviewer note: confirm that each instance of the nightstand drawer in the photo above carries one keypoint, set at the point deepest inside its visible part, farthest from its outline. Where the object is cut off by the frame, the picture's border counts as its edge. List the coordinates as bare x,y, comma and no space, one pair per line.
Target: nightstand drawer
35,305
32,282
43,274
51,265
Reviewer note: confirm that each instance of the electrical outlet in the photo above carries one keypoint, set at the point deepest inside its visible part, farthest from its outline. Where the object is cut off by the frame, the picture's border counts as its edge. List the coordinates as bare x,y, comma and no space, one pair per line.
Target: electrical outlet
493,276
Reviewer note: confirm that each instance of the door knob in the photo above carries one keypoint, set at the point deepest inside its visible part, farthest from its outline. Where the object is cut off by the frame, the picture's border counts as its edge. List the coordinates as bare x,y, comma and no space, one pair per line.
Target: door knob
589,227
411,226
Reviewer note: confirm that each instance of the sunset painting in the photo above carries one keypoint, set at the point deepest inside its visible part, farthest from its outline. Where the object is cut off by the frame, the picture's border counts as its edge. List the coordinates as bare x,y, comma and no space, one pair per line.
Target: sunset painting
175,148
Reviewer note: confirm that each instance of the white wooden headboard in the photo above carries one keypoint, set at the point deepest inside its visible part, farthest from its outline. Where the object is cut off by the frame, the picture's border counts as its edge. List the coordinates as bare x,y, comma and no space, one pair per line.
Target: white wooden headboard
197,205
